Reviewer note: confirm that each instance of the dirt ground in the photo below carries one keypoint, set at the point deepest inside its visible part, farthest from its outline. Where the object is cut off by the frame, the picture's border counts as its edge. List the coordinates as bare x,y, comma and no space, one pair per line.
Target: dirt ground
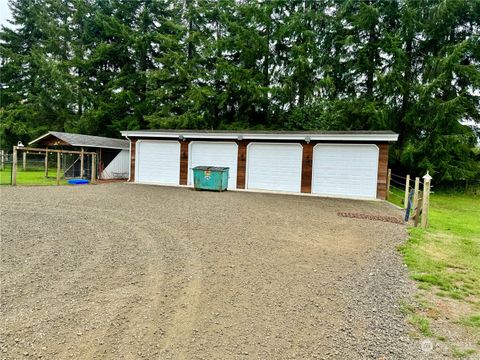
125,271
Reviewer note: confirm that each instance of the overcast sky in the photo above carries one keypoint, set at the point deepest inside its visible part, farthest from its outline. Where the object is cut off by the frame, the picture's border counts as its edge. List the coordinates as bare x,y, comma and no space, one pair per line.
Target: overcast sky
4,12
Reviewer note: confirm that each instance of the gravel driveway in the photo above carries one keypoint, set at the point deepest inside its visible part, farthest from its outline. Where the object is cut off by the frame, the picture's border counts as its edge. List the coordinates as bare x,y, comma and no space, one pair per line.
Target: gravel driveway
131,271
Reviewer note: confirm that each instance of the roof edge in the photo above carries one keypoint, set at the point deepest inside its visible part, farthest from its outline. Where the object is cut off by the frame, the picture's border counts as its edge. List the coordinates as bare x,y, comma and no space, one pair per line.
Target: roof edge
299,136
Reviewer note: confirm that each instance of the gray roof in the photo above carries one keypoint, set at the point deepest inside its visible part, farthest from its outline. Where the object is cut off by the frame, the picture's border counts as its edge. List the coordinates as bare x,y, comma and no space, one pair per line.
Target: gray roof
85,140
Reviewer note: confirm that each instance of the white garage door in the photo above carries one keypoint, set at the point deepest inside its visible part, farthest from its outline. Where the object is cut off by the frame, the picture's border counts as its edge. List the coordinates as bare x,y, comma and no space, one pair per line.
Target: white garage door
274,166
225,154
158,162
345,170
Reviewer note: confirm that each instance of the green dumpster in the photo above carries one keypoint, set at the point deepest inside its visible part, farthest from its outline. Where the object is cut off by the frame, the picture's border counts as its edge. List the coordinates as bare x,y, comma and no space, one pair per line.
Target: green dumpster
210,178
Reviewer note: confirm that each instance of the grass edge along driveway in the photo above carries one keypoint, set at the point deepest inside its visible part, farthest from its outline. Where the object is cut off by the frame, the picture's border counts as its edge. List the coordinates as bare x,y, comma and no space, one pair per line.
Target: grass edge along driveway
445,261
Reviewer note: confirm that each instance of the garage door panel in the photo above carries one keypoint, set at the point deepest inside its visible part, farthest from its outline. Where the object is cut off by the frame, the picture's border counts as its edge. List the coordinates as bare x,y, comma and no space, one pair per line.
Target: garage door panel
158,162
345,170
224,154
275,167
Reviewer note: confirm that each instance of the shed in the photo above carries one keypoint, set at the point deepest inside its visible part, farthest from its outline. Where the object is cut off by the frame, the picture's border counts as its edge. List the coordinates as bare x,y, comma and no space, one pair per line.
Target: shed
349,164
112,154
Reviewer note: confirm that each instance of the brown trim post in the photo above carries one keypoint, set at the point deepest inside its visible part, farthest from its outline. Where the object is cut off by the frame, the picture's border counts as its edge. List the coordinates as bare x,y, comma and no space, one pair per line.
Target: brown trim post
382,177
307,160
184,145
133,146
241,163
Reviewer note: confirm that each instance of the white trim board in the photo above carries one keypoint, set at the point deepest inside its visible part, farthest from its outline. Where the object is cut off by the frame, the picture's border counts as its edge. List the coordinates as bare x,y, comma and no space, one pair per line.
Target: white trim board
301,136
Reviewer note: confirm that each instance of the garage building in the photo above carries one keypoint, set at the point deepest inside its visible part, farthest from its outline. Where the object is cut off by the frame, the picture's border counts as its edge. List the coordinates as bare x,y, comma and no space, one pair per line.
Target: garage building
341,164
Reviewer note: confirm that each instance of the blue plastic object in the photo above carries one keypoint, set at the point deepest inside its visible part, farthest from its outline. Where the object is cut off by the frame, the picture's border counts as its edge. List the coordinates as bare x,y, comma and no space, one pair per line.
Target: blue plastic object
210,178
78,181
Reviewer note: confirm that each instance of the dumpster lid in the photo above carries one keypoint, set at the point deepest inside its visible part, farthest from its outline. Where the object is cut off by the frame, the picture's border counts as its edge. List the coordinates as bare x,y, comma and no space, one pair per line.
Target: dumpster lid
211,168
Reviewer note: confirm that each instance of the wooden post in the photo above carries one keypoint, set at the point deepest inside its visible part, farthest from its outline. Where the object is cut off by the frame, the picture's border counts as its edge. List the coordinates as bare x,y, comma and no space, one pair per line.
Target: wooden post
46,164
407,192
389,177
415,197
81,163
2,161
24,154
14,166
58,168
426,199
94,167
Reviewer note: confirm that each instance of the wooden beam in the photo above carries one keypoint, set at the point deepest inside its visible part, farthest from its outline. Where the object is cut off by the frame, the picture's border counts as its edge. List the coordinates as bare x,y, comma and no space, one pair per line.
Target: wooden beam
241,163
46,164
24,162
94,168
133,146
389,177
39,150
58,168
81,163
426,199
2,154
14,166
184,162
307,159
407,192
416,212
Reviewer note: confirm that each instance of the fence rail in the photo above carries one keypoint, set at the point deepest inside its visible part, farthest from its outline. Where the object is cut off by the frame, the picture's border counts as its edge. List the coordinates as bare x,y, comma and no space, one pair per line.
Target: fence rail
416,202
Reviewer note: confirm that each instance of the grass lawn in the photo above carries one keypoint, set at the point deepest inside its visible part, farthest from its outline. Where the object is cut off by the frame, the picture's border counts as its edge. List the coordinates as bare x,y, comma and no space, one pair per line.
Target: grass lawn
30,177
445,261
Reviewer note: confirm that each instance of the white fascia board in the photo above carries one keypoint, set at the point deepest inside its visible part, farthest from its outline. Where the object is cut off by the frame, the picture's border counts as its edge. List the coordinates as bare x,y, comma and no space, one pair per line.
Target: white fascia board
273,136
100,147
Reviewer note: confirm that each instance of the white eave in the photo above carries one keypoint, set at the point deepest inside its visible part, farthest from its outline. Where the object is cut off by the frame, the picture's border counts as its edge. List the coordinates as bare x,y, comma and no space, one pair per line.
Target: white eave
300,136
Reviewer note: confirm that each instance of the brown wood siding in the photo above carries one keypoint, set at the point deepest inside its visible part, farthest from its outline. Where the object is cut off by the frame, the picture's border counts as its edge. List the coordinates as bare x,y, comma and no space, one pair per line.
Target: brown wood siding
382,171
241,163
184,162
133,147
307,168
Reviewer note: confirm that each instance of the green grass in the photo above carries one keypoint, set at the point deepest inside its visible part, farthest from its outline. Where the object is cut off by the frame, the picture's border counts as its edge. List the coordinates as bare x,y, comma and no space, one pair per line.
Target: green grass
461,353
30,177
396,196
472,321
445,255
444,260
421,323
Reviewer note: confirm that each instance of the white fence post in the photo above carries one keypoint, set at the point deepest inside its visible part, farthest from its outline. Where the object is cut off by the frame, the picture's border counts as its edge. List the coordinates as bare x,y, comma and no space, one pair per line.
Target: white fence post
426,199
14,166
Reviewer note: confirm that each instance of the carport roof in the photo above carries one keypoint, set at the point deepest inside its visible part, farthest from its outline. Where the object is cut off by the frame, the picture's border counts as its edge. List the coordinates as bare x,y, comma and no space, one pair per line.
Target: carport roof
267,135
62,138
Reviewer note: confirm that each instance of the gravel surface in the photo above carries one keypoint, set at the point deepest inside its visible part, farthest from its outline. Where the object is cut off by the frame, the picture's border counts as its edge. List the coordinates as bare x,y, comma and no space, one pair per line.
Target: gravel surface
131,271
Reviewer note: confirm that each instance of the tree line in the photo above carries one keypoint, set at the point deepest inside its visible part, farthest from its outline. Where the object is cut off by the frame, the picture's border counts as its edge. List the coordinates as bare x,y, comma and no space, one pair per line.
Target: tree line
98,67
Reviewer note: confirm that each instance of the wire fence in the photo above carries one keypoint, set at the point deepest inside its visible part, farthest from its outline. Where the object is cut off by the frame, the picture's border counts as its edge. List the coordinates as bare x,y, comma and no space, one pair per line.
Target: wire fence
40,168
411,194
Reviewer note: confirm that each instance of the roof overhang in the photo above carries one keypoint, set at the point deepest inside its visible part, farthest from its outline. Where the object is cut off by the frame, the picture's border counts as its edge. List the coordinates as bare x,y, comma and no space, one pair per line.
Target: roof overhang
290,136
73,143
